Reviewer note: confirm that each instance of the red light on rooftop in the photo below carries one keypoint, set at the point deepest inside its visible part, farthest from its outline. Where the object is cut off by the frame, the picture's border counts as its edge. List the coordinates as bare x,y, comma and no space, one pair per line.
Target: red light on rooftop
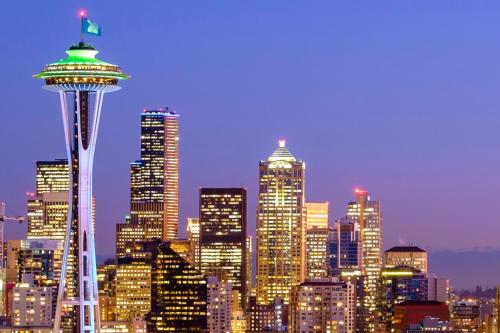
82,13
358,190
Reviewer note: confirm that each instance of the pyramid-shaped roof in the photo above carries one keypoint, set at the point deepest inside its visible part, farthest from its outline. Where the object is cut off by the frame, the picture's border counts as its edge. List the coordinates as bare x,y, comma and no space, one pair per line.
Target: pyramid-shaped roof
281,154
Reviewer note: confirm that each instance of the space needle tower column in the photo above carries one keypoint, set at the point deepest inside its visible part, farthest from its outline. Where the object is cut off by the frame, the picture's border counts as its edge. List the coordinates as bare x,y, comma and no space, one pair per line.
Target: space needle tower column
81,81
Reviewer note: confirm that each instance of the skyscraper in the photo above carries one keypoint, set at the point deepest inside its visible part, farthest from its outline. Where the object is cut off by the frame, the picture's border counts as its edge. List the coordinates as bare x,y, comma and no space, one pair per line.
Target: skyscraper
316,239
154,179
223,226
367,213
280,226
181,304
48,206
344,247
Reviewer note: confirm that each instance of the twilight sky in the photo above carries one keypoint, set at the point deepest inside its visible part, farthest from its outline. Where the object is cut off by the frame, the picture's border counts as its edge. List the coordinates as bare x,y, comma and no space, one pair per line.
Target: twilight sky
400,98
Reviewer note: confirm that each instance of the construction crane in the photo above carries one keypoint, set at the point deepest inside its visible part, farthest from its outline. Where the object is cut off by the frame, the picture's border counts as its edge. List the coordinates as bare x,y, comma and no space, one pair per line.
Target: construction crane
4,219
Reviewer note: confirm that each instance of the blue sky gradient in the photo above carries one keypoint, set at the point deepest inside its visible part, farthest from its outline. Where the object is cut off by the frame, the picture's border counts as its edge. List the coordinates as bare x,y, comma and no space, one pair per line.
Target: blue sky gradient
398,97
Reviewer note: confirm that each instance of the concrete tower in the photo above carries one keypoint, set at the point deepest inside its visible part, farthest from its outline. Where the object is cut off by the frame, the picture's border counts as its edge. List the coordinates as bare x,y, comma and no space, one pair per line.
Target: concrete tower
81,81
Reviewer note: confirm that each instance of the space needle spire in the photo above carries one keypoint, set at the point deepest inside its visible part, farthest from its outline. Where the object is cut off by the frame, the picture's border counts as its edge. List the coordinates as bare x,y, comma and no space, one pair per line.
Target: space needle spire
81,81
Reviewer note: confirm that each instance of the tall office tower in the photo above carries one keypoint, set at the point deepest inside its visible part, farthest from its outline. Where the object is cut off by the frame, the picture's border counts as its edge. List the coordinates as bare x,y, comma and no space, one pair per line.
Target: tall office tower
410,256
218,305
181,304
133,286
223,224
48,206
31,306
154,179
193,234
344,247
280,226
367,213
81,80
47,215
316,239
322,306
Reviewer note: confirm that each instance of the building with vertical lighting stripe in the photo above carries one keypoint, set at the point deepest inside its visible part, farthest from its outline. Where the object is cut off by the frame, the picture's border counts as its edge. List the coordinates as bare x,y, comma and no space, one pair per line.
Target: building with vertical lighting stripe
316,214
280,226
367,214
154,179
223,226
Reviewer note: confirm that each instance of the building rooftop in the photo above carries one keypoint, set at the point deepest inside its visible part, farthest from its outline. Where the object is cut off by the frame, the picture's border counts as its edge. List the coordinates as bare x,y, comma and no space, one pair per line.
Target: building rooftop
281,154
409,248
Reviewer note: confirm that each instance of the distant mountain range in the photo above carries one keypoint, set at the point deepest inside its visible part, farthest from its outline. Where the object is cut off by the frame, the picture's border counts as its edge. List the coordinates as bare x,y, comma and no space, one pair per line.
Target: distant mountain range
467,269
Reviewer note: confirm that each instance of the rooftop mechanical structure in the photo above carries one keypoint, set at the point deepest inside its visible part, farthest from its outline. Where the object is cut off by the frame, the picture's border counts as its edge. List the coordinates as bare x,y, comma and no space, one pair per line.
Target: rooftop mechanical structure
81,81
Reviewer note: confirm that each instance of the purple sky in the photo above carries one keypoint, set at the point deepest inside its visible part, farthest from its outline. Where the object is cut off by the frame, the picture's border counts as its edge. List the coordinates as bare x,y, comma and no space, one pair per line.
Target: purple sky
401,99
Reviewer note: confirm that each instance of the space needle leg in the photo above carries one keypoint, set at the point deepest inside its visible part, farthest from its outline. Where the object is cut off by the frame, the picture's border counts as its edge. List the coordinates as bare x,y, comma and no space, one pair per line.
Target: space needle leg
64,268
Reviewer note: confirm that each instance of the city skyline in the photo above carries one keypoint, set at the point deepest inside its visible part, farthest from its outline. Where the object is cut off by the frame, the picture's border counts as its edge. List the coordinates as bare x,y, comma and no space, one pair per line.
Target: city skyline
386,178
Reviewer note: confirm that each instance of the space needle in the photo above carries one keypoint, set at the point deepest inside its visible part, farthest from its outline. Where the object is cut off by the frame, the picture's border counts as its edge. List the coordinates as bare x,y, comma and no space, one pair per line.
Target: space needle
81,81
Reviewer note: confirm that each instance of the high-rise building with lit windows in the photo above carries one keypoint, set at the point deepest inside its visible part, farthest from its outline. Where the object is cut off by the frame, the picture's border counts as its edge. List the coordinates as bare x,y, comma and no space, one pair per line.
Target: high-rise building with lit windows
344,247
48,206
409,256
41,260
133,286
193,235
31,306
154,179
218,305
280,226
184,248
223,226
47,215
322,306
128,234
52,176
316,214
181,304
367,214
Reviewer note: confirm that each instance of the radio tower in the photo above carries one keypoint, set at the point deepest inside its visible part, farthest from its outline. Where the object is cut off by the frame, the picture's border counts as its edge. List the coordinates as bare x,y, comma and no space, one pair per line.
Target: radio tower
81,81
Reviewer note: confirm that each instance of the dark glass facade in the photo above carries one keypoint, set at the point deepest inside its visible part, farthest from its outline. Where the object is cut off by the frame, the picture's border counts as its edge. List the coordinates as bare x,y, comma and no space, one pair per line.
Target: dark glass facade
178,292
343,247
223,235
